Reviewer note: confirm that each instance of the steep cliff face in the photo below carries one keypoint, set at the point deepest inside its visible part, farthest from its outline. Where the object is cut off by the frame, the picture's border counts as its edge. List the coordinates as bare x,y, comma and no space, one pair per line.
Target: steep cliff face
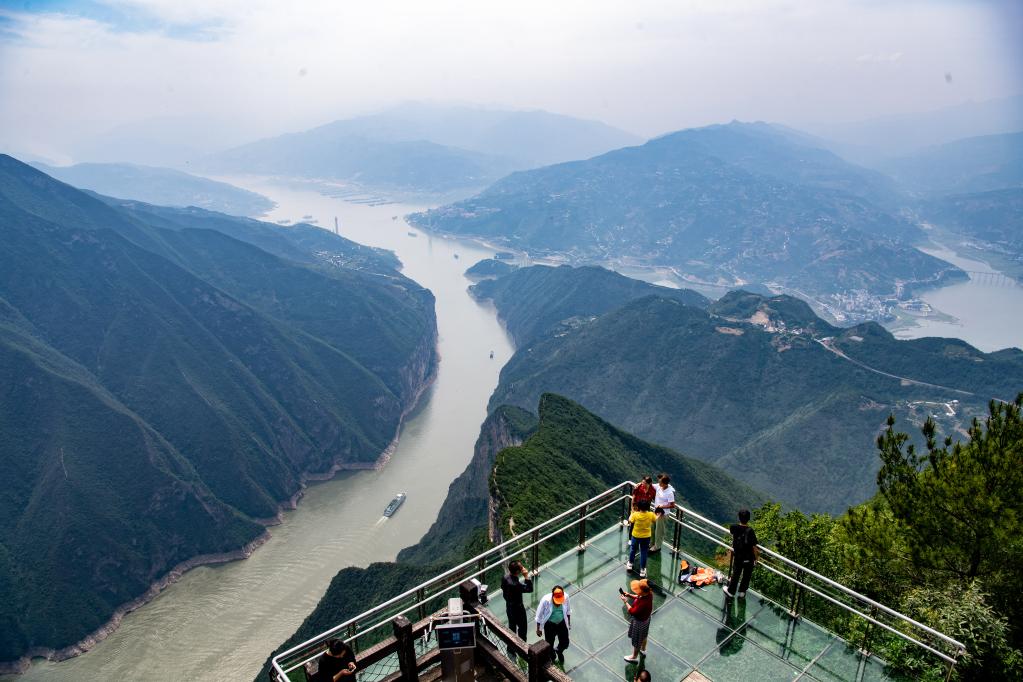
466,509
167,384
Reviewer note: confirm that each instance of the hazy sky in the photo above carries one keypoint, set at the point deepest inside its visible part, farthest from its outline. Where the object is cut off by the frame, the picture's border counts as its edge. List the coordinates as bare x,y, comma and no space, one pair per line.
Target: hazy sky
70,71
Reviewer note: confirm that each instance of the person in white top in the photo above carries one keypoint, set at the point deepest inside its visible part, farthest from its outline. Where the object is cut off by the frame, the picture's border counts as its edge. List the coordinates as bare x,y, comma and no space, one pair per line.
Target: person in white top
664,502
554,620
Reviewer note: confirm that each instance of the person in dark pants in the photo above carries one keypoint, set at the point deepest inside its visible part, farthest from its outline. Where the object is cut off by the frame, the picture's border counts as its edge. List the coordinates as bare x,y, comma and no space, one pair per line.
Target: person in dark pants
554,620
745,554
513,590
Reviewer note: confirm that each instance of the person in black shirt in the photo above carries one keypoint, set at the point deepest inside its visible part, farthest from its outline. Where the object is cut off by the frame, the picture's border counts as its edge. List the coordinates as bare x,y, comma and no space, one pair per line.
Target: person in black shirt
513,590
745,554
337,663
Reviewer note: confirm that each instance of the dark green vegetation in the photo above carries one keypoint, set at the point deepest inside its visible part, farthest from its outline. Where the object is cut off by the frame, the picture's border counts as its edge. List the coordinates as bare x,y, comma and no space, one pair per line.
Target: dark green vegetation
940,542
574,455
749,386
162,186
423,148
730,203
165,385
532,301
974,164
489,267
554,462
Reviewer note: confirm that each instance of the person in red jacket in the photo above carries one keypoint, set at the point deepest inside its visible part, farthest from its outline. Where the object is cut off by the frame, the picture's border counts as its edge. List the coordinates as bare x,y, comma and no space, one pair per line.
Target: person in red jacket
642,597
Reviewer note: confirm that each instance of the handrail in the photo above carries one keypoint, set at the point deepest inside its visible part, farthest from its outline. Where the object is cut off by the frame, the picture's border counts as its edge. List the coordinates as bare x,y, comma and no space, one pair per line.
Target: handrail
275,661
839,586
959,646
613,496
842,605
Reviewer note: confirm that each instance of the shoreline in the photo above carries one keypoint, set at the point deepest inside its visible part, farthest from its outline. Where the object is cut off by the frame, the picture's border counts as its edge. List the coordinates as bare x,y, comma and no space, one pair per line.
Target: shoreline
87,643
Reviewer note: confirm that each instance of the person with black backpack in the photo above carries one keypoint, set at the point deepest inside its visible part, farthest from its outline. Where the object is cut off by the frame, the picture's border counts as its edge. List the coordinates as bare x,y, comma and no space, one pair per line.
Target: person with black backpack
745,554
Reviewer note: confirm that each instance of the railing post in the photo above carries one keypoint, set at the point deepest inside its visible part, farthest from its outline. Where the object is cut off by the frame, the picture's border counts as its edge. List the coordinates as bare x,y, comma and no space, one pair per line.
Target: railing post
676,538
350,636
406,649
865,647
626,504
796,603
952,665
420,600
537,656
582,529
534,538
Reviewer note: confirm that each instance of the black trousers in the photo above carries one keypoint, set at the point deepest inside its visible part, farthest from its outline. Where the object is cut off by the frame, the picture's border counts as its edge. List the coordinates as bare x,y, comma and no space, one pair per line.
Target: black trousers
517,620
742,571
559,631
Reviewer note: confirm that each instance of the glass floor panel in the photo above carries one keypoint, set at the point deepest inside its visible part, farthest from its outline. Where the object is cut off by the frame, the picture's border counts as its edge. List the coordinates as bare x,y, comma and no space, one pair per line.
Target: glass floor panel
692,632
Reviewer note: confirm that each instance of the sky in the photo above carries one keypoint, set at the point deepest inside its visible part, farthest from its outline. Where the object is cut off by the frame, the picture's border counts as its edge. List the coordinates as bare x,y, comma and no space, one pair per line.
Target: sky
74,75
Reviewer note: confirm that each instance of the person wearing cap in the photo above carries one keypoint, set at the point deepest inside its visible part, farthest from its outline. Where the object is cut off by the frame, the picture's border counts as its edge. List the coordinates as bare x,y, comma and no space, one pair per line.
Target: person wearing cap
642,606
554,620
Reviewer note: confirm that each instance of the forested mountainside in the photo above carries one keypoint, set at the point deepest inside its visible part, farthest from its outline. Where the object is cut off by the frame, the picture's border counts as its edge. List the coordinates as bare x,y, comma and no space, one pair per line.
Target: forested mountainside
488,268
759,386
163,186
546,464
737,203
166,387
532,300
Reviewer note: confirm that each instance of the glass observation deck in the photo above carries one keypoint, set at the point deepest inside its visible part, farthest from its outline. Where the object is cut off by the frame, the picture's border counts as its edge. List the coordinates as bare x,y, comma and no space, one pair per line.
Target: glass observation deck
695,634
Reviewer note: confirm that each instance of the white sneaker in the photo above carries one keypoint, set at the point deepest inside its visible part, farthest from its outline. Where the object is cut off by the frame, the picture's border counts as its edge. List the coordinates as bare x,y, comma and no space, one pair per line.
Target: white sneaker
630,659
741,595
628,565
642,573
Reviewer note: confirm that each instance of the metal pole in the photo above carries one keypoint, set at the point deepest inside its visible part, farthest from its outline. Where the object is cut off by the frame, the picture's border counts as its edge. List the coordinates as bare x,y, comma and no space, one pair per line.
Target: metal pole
582,529
535,537
353,640
677,536
420,600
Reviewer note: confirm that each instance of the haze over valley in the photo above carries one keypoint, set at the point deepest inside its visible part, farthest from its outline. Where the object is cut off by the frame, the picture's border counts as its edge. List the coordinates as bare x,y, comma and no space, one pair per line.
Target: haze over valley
302,306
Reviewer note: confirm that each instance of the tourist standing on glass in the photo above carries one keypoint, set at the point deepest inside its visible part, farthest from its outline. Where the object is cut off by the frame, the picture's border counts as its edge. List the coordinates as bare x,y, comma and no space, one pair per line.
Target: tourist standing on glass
745,554
642,523
664,502
640,609
554,620
513,589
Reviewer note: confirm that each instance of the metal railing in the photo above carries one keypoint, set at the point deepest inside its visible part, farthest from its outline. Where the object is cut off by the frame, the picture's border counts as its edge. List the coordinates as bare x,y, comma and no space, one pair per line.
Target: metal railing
710,533
807,581
380,616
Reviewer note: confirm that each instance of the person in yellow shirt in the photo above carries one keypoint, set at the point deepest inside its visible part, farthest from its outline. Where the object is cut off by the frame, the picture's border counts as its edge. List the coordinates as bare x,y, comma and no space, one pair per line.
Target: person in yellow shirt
642,521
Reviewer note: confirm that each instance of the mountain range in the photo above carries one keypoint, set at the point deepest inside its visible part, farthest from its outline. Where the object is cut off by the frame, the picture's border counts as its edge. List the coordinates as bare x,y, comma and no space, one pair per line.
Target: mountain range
424,148
758,386
162,186
731,204
168,380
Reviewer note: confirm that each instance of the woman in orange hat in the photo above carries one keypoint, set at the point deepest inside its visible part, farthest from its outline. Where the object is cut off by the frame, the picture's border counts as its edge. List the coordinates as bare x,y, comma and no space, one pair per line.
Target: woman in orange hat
640,609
